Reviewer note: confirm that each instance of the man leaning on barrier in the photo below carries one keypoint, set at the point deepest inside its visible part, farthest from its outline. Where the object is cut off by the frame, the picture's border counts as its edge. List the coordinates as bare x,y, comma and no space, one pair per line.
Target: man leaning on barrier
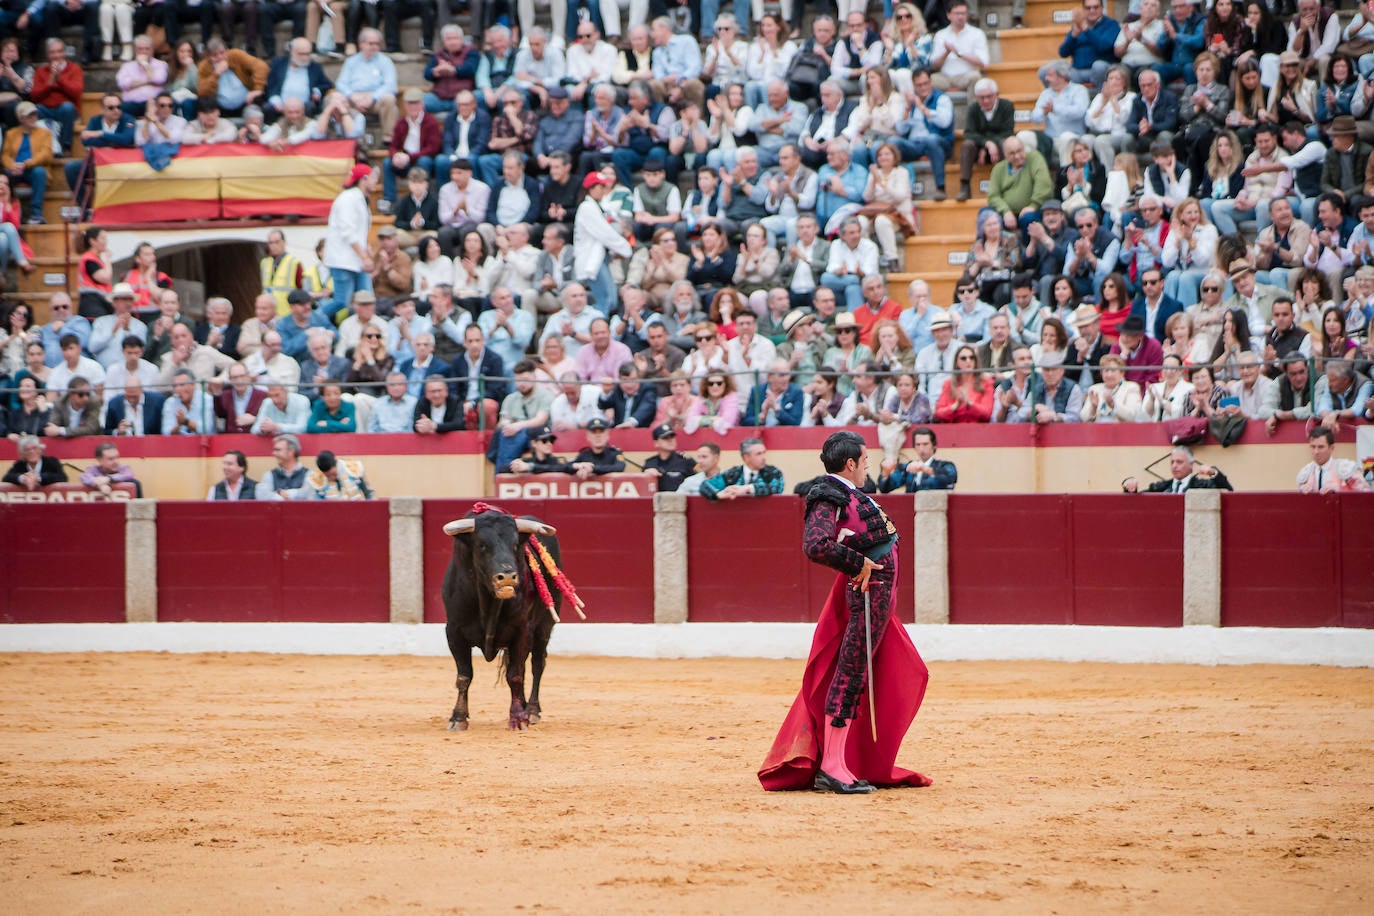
1185,473
754,477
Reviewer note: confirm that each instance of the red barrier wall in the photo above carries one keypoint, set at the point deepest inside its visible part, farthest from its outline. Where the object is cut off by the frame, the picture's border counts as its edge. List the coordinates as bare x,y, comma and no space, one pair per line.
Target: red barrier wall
607,553
745,561
274,561
1297,560
1085,559
62,564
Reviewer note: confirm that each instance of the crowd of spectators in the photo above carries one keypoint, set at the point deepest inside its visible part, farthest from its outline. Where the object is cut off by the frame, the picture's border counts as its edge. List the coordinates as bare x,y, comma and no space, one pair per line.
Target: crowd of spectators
678,224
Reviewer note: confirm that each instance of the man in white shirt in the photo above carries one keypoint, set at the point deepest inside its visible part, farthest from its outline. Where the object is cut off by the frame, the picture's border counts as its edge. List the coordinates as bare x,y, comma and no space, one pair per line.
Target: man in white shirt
508,330
867,400
825,124
516,260
346,239
593,237
73,364
573,322
1259,395
748,353
404,328
292,129
237,485
575,404
269,364
132,366
464,128
394,413
160,123
959,52
589,60
852,258
106,343
208,127
792,190
538,66
807,258
284,411
1326,473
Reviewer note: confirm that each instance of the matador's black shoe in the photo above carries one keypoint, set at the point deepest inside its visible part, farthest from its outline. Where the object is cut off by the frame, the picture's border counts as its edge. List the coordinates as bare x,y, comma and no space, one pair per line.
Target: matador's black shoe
827,783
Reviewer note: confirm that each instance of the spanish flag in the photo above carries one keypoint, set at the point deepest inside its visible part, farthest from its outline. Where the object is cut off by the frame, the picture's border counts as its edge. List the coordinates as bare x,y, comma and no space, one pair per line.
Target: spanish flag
220,181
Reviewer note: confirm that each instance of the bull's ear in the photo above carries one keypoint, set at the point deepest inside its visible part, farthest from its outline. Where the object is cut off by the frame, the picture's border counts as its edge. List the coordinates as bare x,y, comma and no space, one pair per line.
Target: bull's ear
461,526
530,526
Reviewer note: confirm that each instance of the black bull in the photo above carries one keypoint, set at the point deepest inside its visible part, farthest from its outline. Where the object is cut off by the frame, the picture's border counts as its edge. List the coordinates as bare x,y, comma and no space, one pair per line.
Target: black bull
492,602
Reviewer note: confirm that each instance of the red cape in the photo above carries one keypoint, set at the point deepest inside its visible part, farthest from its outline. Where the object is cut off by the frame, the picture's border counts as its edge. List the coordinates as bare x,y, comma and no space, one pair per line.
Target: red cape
900,678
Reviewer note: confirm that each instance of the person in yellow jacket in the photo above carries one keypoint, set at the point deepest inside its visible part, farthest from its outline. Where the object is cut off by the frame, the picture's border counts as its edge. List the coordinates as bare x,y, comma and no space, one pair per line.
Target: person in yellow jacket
281,271
336,479
25,156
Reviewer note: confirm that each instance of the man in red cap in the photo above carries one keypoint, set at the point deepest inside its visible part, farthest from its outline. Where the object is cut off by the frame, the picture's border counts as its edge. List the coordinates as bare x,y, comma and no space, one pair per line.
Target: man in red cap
346,240
594,234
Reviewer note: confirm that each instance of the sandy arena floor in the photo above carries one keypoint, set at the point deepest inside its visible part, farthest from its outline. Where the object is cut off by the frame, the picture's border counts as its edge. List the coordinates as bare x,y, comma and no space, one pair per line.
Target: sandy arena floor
243,783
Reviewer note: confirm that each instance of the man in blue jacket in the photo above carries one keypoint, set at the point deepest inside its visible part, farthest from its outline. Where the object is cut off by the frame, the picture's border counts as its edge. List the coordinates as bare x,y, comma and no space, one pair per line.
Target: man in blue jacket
1183,41
632,403
925,471
1090,45
776,402
295,75
111,128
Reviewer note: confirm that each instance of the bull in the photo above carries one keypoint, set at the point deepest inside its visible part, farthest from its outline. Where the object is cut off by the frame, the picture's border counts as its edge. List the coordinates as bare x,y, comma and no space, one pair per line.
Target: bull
492,601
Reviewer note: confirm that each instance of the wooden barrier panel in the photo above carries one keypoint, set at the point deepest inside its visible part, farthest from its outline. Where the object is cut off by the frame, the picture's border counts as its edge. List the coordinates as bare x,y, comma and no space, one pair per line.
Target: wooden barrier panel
1281,558
745,561
1109,560
62,564
1127,560
274,561
608,553
1357,560
1010,559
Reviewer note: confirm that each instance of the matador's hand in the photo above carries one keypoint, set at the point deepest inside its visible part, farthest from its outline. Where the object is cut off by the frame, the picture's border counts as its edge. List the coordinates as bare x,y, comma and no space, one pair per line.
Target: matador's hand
860,582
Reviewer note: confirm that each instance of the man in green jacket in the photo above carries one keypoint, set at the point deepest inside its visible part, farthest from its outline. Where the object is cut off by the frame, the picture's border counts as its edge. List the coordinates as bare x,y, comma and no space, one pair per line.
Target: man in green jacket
1020,185
988,122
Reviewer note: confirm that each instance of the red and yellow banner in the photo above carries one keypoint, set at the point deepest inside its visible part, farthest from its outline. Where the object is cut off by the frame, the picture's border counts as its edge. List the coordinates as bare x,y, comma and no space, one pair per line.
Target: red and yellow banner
221,181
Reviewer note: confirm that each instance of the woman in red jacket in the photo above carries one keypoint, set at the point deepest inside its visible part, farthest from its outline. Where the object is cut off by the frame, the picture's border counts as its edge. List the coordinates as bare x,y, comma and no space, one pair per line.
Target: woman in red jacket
968,394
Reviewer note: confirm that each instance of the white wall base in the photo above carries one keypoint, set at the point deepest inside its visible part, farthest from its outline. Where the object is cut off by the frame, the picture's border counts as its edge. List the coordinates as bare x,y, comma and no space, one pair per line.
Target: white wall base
1197,645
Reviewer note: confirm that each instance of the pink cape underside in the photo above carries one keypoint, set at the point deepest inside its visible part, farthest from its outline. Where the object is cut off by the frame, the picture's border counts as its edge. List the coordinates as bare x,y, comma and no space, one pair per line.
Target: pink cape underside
900,678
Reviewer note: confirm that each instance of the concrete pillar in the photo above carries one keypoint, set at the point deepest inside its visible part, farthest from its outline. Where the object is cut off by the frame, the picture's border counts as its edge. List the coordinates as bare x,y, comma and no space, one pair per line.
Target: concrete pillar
140,561
1202,558
931,573
407,560
670,558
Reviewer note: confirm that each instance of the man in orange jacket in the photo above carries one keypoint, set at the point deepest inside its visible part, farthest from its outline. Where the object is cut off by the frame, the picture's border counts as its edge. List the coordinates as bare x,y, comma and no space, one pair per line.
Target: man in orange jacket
25,155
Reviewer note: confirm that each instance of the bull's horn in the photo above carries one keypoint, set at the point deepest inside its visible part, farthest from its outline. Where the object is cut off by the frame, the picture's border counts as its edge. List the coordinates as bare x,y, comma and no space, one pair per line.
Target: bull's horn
530,526
460,526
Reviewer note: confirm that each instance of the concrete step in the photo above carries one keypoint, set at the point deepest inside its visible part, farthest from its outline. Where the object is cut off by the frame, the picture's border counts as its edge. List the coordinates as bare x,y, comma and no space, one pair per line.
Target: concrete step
950,217
941,285
1017,79
1046,13
1030,44
928,253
